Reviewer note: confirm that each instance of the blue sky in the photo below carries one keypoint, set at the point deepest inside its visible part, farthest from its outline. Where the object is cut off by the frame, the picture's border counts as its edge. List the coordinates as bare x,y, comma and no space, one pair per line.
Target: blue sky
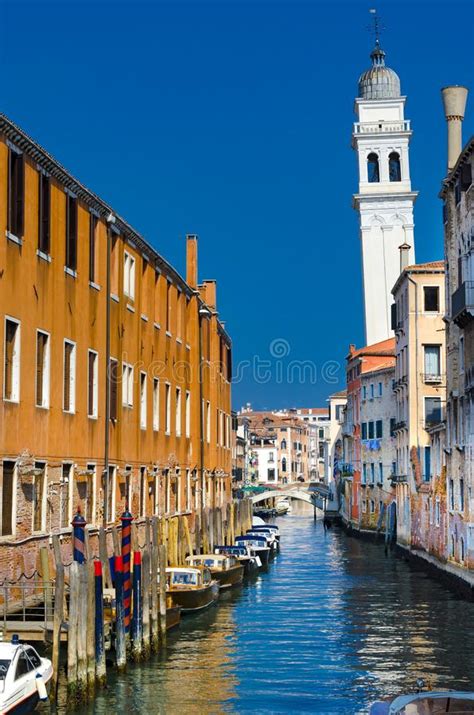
232,120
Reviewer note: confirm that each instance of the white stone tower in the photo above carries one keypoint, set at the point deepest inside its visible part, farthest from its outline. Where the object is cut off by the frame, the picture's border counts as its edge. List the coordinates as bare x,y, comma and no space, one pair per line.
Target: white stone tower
385,200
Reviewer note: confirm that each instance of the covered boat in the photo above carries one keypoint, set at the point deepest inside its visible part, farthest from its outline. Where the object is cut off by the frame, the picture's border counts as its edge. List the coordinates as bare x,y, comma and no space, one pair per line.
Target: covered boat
244,555
259,545
432,702
191,588
282,506
224,568
25,677
270,537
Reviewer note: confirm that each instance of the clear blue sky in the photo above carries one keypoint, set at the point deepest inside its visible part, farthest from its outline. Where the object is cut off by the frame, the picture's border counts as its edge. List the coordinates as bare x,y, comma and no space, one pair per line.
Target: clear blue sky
232,120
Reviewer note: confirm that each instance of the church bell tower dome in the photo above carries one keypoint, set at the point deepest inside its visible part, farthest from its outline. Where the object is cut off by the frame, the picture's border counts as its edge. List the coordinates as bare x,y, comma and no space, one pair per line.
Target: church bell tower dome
379,82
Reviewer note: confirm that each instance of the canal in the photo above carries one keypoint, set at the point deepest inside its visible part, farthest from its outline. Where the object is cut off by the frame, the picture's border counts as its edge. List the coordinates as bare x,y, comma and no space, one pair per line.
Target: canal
333,625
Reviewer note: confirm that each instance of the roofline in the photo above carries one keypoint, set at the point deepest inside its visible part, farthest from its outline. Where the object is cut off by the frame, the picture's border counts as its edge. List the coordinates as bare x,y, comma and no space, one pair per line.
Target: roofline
379,369
452,175
47,162
414,271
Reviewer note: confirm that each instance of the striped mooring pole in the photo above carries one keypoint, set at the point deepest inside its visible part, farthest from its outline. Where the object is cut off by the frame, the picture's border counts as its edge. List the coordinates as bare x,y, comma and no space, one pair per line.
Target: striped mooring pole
126,520
78,524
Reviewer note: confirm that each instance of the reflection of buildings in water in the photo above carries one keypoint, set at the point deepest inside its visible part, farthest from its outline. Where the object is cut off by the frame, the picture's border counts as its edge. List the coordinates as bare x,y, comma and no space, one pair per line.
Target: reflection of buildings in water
199,672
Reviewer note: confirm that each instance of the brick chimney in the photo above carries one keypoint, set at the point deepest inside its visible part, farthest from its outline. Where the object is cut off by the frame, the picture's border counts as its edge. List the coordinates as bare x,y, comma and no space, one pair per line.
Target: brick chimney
191,260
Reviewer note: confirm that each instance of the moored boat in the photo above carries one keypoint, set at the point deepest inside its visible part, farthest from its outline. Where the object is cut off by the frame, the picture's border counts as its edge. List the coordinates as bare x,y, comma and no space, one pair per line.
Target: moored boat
432,702
191,588
258,544
270,529
271,540
224,568
244,555
24,677
282,506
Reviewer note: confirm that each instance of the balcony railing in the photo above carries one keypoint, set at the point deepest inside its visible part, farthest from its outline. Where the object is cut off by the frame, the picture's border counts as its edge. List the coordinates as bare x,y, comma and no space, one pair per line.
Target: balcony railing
462,304
399,425
382,127
398,478
432,378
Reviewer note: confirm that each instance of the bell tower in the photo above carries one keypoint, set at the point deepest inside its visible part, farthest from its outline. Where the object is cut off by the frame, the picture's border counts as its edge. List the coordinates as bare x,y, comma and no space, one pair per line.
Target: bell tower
385,201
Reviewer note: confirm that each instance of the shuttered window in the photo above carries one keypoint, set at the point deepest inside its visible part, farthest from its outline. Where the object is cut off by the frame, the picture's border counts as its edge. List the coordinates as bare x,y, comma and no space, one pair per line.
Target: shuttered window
44,214
93,221
71,232
69,386
113,387
11,372
92,376
42,369
7,498
16,192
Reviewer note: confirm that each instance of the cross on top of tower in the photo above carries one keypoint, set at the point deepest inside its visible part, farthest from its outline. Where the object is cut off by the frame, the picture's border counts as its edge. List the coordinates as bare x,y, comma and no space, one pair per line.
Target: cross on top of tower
377,55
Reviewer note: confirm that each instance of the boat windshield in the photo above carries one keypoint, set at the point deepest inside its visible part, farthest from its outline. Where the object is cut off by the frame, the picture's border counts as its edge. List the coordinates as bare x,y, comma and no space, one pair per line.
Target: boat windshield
184,578
4,665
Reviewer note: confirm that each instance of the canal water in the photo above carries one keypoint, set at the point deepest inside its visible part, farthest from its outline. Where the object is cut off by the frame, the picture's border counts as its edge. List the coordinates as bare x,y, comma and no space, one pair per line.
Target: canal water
333,625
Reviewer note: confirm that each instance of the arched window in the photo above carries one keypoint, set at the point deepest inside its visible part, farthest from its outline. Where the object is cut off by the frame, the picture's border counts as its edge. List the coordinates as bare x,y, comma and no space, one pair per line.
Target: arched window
283,443
283,464
373,171
462,549
394,170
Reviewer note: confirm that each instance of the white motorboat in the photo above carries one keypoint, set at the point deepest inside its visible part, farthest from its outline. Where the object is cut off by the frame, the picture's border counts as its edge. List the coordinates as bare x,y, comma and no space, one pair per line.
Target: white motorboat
282,506
24,677
433,702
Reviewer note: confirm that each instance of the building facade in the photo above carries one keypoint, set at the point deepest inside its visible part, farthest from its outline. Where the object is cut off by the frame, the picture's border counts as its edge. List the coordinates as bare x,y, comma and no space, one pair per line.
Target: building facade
385,200
116,371
420,386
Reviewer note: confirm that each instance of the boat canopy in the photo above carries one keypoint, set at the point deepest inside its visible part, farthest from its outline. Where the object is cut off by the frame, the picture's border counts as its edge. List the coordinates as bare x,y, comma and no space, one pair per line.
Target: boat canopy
184,578
234,550
398,705
252,539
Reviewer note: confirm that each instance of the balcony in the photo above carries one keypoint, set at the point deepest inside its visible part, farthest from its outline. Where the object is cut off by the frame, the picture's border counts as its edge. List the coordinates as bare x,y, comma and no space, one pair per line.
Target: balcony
432,378
399,426
462,304
398,479
382,127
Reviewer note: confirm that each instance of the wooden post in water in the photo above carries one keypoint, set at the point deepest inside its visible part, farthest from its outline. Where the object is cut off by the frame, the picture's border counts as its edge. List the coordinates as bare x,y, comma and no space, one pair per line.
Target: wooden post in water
187,536
137,625
90,639
146,601
72,629
197,534
47,589
104,559
154,587
100,665
58,613
162,566
120,643
82,632
211,530
116,541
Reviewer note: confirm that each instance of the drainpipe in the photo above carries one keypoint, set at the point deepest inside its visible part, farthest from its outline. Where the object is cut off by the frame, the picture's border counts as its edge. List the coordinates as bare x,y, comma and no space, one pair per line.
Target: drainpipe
110,222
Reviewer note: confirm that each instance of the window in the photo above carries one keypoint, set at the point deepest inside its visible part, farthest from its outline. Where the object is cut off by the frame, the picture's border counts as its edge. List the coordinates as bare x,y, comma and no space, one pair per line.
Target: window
129,275
461,353
156,404
437,512
144,302
188,414
379,429
42,369
380,473
93,262
44,213
38,495
127,385
393,422
364,506
11,367
69,377
371,430
432,410
364,473
321,450
16,192
461,494
427,464
270,457
113,388
178,412
71,232
7,496
92,383
432,361
23,666
86,489
461,549
394,169
373,171
372,392
372,473
179,315
143,400
364,430
189,503
168,408
283,444
451,494
372,506
168,306
364,392
65,496
271,475
208,421
380,389
283,464
431,299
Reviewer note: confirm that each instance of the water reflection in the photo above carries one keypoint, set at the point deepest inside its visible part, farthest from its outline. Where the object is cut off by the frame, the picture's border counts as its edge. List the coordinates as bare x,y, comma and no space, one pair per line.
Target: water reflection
333,625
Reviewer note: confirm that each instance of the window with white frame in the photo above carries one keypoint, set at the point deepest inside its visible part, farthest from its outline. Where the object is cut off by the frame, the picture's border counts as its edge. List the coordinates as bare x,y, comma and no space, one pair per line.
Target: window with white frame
66,495
178,412
188,490
39,483
92,383
208,422
188,413
432,361
8,499
11,361
156,404
143,400
129,275
42,368
69,377
167,408
127,385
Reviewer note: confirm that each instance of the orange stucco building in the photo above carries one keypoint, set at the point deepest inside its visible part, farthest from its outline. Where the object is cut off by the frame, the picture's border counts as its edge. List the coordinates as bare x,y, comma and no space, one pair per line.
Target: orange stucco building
115,379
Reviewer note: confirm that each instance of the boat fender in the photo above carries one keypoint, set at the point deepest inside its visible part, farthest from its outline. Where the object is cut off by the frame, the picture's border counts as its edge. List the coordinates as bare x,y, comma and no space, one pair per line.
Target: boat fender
259,561
41,687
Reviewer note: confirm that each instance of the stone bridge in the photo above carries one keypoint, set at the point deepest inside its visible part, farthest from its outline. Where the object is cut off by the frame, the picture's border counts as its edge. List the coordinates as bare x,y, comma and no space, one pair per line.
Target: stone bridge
315,497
